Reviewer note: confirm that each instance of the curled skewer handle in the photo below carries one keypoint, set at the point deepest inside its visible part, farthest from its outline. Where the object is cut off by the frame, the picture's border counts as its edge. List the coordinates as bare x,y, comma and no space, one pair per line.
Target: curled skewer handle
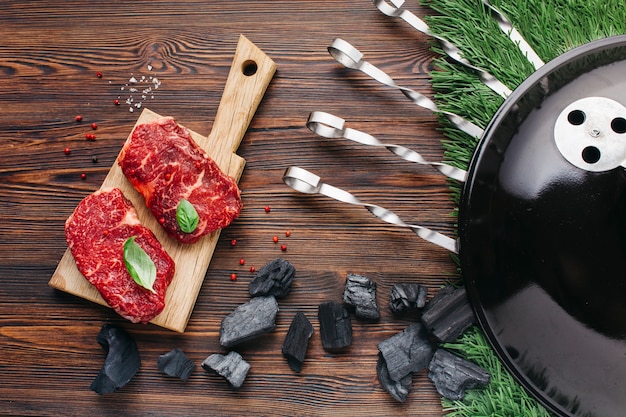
393,8
330,126
350,57
306,182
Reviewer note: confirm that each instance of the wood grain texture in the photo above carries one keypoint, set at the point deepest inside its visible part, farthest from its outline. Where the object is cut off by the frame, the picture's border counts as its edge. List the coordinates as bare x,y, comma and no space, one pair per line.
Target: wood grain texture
49,57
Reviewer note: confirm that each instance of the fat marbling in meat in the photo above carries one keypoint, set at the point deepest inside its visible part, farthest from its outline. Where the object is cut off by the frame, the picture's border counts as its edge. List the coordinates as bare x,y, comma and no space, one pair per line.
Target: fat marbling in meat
163,162
96,233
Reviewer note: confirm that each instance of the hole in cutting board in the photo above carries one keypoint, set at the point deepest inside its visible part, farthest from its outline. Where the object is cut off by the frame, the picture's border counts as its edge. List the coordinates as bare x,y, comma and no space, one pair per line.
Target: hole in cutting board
249,68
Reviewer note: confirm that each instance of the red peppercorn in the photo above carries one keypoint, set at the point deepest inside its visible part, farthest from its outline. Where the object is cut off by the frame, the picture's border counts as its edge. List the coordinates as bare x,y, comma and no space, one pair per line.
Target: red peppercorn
283,247
94,126
79,118
288,233
252,269
116,102
99,74
83,176
67,151
267,209
275,239
242,261
233,277
233,242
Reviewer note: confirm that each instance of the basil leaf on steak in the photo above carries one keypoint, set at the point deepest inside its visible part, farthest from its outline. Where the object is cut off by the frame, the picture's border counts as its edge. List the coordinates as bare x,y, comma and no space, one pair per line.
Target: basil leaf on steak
187,216
139,265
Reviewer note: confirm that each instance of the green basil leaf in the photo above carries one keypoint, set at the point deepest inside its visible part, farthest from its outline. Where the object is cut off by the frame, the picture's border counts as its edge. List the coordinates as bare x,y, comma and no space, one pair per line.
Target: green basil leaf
139,265
187,216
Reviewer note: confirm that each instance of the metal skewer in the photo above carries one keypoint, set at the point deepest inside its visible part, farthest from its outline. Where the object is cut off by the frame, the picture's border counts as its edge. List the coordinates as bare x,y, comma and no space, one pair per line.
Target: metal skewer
507,27
395,10
306,182
350,57
330,126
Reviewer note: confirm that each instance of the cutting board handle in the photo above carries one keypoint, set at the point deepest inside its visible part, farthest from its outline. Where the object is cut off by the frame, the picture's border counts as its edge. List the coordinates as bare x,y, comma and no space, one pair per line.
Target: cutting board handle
249,76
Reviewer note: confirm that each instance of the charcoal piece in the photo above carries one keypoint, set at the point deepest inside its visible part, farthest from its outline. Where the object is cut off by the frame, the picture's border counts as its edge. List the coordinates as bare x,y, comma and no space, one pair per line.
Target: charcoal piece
407,352
231,366
335,326
297,341
274,278
398,389
175,363
452,375
407,297
448,314
422,293
360,293
249,320
122,361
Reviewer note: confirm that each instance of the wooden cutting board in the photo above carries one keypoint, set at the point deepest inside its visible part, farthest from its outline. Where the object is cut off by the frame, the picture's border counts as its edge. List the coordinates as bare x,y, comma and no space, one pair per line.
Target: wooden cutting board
249,76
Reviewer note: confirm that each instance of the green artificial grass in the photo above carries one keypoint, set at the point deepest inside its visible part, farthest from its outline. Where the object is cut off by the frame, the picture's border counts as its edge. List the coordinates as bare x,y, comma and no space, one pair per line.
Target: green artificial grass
502,397
551,27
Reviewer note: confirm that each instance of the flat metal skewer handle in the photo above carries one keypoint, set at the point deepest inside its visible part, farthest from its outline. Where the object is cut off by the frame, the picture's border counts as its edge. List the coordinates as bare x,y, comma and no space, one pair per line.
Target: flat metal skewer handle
306,182
330,126
395,10
350,57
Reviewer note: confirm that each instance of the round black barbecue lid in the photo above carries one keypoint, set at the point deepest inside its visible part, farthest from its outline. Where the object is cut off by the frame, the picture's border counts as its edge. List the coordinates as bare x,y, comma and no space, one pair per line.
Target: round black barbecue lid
542,227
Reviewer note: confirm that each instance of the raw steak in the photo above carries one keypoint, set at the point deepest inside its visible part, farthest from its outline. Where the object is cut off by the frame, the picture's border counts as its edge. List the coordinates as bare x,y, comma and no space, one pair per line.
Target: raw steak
96,233
163,162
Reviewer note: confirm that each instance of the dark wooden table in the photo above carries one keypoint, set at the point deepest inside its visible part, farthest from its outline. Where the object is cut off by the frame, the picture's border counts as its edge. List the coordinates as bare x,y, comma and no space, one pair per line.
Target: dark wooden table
50,54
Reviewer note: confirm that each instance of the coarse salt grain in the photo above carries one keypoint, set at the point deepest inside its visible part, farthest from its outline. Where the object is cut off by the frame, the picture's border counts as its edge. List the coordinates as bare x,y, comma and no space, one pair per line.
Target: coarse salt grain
142,94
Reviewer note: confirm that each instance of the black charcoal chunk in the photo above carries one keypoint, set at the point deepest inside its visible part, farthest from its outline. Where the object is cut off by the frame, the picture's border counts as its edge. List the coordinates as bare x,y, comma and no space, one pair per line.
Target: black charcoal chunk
407,352
407,297
249,320
274,278
360,293
448,314
175,363
335,326
232,367
398,389
453,375
297,341
122,361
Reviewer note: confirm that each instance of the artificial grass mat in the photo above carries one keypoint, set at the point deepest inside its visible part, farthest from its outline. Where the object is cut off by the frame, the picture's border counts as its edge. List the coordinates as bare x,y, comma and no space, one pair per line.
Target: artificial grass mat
551,27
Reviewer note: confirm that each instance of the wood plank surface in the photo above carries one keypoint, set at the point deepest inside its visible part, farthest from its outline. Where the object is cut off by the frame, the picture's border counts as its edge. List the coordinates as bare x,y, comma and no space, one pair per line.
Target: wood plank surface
49,57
